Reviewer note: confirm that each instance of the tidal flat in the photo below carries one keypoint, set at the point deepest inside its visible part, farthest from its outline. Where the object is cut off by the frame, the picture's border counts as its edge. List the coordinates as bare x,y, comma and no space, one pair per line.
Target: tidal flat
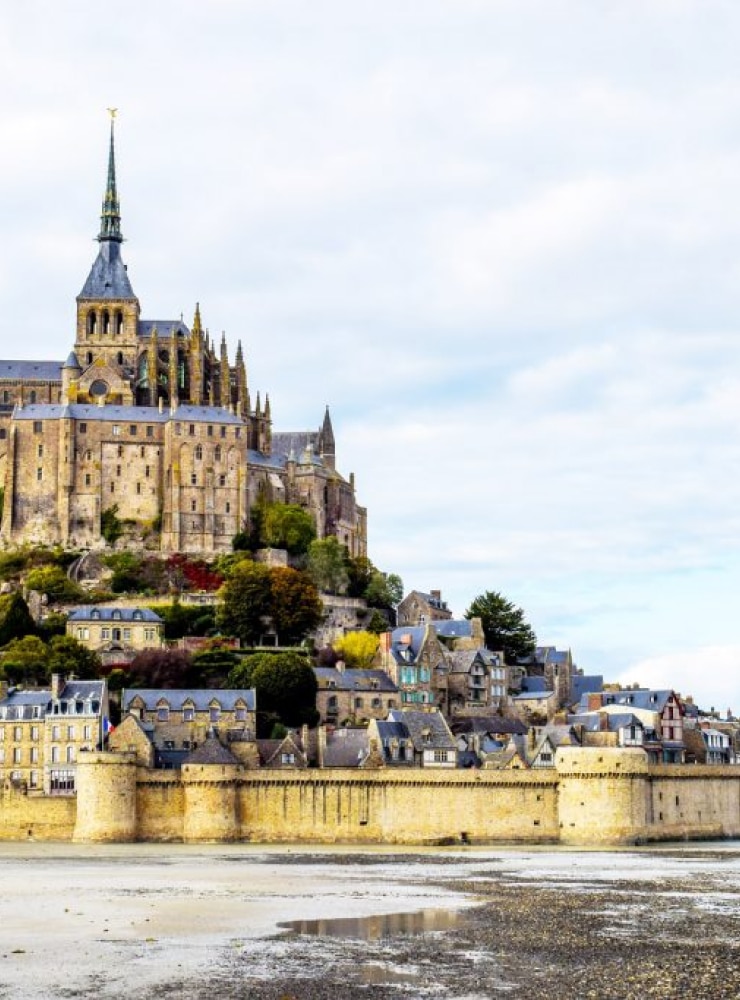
327,923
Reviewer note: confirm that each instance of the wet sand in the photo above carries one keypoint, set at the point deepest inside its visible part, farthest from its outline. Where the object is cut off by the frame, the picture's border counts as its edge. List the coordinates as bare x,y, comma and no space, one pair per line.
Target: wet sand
174,921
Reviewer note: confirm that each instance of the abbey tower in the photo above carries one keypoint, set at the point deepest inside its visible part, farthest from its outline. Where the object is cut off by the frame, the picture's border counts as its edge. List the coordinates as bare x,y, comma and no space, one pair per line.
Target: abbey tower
148,418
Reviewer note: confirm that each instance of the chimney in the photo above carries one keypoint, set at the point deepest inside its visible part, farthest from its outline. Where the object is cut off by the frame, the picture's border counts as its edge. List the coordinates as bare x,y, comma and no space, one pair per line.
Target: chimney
340,666
604,721
56,686
161,405
594,702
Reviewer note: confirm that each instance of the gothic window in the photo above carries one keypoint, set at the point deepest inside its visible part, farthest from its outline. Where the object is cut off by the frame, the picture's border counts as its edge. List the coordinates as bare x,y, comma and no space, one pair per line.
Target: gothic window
119,324
33,396
92,322
119,451
119,357
217,454
106,323
89,357
228,508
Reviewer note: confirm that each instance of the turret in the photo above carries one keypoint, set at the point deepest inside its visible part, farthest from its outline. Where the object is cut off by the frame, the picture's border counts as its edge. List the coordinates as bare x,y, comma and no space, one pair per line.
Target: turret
326,448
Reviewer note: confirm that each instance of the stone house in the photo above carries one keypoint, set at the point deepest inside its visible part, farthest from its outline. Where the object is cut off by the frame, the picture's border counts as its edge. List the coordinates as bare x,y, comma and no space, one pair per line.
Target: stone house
43,731
181,719
116,633
347,695
660,711
430,736
285,754
418,608
418,664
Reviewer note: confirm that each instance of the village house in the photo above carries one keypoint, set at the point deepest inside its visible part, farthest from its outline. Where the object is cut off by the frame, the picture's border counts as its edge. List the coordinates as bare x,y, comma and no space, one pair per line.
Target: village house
43,731
347,695
421,738
418,608
180,720
116,634
660,711
417,663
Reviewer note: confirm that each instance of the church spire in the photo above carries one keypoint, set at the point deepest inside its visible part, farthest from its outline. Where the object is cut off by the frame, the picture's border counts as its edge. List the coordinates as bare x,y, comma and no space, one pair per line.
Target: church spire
110,218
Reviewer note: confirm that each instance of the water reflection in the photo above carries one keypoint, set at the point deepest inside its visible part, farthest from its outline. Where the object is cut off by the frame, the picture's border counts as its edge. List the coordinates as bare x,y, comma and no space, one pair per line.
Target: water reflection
378,926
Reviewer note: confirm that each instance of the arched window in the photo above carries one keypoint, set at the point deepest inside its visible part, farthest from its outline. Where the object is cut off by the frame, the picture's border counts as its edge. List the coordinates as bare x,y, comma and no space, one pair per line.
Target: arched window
119,357
33,396
119,323
89,357
217,453
199,452
106,323
92,323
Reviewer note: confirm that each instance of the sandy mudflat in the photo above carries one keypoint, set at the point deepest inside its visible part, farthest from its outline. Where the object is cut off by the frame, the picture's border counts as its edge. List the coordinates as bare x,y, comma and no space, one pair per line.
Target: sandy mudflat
148,921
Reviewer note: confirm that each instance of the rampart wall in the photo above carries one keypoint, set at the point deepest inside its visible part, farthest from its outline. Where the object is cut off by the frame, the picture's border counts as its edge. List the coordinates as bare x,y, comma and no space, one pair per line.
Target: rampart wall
592,797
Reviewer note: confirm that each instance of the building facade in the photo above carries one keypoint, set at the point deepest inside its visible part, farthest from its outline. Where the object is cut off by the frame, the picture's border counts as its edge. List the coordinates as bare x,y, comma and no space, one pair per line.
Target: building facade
149,423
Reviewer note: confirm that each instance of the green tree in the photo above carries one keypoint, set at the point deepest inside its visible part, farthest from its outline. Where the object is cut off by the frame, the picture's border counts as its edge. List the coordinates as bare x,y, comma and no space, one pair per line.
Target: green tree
26,661
287,526
68,656
214,663
181,620
327,565
285,686
357,649
15,618
54,582
111,526
55,623
504,625
385,590
377,624
245,602
295,605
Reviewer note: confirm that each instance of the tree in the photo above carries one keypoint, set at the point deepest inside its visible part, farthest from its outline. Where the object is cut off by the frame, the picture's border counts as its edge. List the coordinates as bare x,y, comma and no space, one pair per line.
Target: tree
245,601
295,606
327,565
285,686
162,668
504,625
287,526
54,582
385,590
213,663
15,618
26,660
359,573
357,649
68,656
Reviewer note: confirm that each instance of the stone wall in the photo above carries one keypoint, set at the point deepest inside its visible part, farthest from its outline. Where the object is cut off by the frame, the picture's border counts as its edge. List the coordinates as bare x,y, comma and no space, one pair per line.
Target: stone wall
598,797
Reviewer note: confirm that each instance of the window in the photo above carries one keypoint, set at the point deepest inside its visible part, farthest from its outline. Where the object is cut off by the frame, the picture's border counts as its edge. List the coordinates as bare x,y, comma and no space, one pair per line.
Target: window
193,479
150,633
193,505
287,758
237,432
133,430
210,430
217,453
138,489
39,474
240,714
191,430
127,635
214,713
440,756
6,396
163,713
40,451
88,479
222,480
178,429
61,782
188,713
70,755
113,487
70,732
199,453
2,733
119,451
34,755
34,779
105,633
55,755
38,426
223,432
18,733
116,430
17,755
228,507
118,471
149,430
33,395
83,430
147,471
87,732
34,732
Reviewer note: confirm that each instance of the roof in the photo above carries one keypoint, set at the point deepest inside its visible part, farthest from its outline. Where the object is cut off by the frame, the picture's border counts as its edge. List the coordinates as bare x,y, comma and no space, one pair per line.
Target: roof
355,680
164,328
211,751
106,614
534,685
200,698
533,696
108,278
581,684
295,442
453,628
428,730
144,414
30,371
415,635
486,724
644,698
463,659
346,748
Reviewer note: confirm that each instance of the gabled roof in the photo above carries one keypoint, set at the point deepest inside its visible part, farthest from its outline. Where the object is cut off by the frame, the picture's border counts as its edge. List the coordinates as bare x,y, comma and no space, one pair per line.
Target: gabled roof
644,698
346,748
200,698
452,628
486,724
31,371
211,751
355,680
388,730
408,637
581,684
164,328
269,750
463,659
428,730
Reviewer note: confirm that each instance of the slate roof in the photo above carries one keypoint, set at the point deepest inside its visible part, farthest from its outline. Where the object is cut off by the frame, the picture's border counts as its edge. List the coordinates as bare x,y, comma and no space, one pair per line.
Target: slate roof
142,414
532,696
19,703
164,328
355,680
388,730
211,751
581,684
534,685
285,442
201,698
416,635
644,698
486,724
433,602
421,723
591,721
453,628
31,371
346,748
108,278
108,614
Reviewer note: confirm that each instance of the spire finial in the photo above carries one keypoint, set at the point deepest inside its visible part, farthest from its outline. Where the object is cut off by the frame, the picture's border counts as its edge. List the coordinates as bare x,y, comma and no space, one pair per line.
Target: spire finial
110,219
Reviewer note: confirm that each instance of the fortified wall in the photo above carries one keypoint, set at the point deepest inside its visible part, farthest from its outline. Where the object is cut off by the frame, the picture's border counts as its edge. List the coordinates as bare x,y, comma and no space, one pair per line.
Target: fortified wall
592,797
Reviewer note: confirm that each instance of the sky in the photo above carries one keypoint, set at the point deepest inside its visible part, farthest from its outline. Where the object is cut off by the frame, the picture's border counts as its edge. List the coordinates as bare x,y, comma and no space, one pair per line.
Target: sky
500,238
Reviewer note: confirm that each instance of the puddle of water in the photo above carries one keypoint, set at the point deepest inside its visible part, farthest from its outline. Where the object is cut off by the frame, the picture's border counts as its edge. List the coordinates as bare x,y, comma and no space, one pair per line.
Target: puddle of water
376,927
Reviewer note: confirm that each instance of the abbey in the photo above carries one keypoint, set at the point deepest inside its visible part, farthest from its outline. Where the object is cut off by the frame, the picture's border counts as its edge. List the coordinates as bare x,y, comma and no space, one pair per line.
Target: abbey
147,419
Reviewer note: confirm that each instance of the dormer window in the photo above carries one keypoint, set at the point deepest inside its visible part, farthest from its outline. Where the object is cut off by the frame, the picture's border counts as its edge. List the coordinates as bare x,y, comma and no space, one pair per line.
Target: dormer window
116,615
95,614
163,713
138,616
